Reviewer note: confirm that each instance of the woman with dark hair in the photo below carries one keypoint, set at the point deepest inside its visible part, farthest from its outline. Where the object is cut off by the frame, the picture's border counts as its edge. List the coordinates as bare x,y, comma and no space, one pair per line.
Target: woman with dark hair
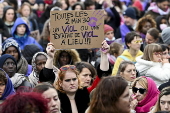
6,87
161,22
49,93
165,49
25,103
111,96
78,6
9,17
87,73
133,42
144,24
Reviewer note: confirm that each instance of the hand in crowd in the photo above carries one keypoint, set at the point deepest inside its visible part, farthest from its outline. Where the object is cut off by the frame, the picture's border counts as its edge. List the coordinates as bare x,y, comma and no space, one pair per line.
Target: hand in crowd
134,102
50,50
105,47
165,61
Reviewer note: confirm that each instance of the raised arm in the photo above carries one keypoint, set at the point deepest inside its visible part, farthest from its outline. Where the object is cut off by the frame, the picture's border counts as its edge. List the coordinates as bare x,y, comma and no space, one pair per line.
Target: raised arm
50,52
104,62
47,73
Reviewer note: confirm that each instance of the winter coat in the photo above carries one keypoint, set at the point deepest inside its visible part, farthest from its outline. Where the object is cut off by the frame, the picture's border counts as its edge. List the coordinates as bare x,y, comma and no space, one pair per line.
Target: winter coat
26,39
128,56
72,52
159,72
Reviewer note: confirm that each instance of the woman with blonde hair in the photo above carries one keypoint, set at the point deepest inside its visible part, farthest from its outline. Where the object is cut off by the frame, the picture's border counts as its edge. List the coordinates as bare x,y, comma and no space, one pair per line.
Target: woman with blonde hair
145,94
163,103
153,65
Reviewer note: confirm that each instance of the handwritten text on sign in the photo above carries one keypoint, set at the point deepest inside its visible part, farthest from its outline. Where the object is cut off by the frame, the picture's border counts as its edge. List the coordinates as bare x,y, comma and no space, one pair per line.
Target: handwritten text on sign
77,29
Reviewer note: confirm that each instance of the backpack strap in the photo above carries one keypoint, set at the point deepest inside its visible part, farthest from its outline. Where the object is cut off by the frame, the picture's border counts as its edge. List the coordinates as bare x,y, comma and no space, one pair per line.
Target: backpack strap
126,59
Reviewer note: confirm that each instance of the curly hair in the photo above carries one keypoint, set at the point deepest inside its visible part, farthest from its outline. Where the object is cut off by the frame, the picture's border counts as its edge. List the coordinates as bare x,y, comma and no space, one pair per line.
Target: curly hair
18,102
143,20
3,78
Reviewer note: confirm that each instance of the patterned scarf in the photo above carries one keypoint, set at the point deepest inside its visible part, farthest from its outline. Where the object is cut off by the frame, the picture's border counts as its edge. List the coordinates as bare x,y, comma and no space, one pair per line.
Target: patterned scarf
22,66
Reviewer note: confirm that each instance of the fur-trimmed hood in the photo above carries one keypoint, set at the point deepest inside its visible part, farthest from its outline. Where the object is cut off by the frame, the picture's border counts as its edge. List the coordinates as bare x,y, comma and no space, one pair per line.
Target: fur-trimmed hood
72,52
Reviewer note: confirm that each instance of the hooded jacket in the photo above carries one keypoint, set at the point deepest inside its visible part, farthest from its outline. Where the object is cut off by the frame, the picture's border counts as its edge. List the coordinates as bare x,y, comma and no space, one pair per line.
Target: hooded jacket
9,89
72,52
26,39
128,56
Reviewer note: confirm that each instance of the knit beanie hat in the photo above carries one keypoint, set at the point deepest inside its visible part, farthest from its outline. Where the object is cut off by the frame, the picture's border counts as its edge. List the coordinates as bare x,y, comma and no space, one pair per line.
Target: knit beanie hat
107,28
29,51
166,35
4,57
130,12
8,43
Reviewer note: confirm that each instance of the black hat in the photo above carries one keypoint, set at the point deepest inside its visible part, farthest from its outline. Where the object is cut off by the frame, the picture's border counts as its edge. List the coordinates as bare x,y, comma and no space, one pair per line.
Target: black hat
130,12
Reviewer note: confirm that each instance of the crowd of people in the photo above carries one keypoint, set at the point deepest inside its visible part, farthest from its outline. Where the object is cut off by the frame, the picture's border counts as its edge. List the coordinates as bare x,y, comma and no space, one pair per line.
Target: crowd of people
129,73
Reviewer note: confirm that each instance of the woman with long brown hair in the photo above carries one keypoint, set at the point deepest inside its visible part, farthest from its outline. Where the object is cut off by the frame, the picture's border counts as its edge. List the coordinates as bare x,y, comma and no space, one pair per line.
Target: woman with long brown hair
111,96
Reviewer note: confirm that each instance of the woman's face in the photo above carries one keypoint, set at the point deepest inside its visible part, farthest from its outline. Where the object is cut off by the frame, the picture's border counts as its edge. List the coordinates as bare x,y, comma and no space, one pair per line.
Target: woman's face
2,88
78,7
165,54
25,11
85,77
53,101
146,27
9,67
129,73
124,102
40,62
70,82
10,15
64,5
109,35
135,43
165,103
139,96
13,52
72,2
157,56
64,58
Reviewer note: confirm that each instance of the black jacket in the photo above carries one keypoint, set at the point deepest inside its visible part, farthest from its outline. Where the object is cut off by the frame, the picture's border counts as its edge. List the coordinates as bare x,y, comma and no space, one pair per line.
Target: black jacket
81,98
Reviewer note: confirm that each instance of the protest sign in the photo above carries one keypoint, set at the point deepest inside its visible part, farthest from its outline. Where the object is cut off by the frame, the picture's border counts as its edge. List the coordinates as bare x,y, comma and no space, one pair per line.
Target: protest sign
77,29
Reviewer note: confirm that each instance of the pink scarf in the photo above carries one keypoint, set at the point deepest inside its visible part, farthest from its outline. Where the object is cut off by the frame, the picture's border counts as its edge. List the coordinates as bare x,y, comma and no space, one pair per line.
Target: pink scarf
156,9
150,99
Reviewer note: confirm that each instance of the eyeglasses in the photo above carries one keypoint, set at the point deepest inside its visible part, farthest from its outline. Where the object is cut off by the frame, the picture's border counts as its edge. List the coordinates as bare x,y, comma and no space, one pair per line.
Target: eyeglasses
141,90
138,41
9,63
157,53
65,68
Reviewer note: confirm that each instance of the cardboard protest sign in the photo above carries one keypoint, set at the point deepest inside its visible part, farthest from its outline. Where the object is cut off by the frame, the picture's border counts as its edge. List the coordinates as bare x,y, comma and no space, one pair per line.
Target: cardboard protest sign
77,29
